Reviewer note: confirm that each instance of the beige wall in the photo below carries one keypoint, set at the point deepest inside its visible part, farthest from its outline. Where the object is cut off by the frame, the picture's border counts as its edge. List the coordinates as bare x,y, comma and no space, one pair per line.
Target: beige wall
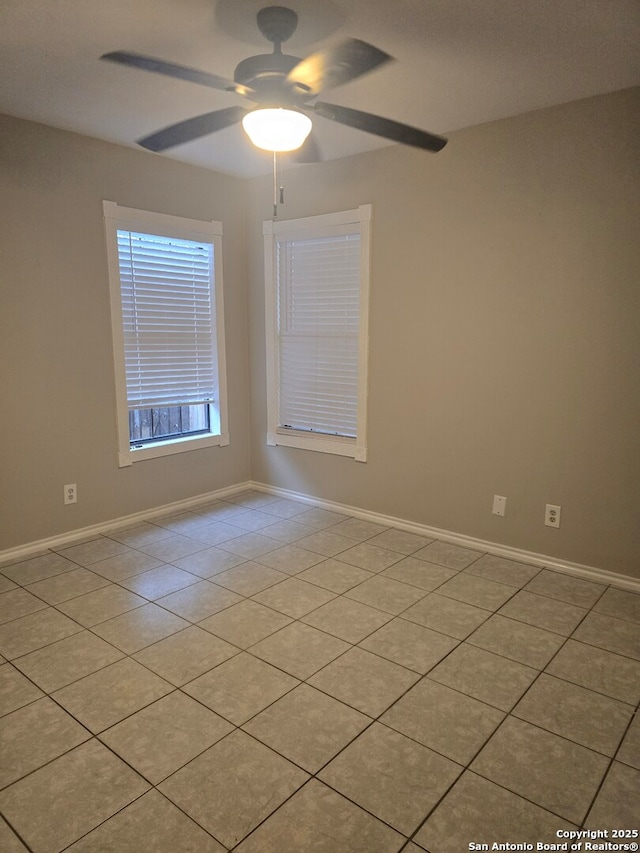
58,420
504,331
504,334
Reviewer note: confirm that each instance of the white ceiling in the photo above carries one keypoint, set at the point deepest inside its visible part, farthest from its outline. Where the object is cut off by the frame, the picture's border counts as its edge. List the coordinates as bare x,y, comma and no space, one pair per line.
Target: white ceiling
458,63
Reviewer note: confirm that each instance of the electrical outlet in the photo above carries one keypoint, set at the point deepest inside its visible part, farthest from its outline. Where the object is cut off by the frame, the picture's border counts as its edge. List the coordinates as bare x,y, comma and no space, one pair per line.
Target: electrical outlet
71,494
499,505
552,515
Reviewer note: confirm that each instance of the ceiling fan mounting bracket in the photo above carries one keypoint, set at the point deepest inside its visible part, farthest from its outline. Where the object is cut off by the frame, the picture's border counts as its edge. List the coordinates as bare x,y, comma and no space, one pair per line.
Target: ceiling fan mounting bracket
277,24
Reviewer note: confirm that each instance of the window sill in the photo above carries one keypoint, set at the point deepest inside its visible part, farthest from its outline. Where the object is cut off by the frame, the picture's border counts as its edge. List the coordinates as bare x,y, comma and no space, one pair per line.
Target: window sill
169,447
320,444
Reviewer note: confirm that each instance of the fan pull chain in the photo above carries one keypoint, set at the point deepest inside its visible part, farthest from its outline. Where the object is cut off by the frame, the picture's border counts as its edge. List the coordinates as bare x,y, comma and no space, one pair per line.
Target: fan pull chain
275,185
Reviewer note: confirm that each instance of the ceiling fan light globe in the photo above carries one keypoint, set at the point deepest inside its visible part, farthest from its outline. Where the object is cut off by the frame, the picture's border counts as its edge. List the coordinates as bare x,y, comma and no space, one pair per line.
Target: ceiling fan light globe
277,129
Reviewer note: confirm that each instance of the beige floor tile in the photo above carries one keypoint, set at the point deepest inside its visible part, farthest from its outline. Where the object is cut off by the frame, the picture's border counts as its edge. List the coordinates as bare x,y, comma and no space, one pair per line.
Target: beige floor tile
364,681
596,669
101,605
183,523
386,594
68,585
629,752
585,717
216,533
18,602
149,825
249,578
477,809
565,587
401,541
307,727
445,554
294,597
198,601
160,581
358,530
6,585
419,573
233,786
490,678
15,690
394,778
477,591
253,520
289,530
221,511
517,641
125,565
449,722
186,655
9,841
620,603
209,562
241,687
348,620
409,645
90,552
134,630
68,660
454,618
284,508
548,770
34,631
325,542
543,612
320,519
165,735
320,820
171,549
616,806
290,559
139,534
334,575
38,568
299,649
251,545
33,736
245,623
502,570
59,803
106,697
373,558
606,632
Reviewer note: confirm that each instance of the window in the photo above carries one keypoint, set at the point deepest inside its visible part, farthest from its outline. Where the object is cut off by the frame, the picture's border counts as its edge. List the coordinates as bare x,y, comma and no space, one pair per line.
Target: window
165,277
317,295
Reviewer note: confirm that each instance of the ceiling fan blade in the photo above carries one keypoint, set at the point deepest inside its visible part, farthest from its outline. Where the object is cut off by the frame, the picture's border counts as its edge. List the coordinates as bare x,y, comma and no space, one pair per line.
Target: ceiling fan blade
308,151
180,72
192,128
336,65
384,127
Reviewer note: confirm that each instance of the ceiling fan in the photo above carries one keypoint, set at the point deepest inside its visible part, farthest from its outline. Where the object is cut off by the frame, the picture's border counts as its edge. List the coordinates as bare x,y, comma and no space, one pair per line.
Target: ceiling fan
282,87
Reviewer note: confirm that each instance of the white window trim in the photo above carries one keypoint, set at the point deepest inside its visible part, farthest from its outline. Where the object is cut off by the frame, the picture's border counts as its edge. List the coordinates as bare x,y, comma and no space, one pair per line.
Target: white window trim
360,219
130,219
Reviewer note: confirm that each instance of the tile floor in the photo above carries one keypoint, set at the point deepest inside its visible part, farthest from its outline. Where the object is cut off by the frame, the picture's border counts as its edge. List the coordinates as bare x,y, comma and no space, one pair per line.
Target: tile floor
262,676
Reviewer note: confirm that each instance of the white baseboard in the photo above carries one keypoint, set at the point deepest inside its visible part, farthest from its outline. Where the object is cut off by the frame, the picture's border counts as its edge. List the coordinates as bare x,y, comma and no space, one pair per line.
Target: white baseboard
587,572
53,542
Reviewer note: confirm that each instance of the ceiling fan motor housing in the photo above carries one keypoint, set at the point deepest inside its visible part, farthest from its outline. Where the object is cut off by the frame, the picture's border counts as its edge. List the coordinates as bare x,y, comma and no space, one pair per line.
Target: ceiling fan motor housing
266,73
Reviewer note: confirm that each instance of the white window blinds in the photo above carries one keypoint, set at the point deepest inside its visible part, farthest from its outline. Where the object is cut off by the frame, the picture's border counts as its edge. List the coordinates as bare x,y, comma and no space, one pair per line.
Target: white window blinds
168,316
318,318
